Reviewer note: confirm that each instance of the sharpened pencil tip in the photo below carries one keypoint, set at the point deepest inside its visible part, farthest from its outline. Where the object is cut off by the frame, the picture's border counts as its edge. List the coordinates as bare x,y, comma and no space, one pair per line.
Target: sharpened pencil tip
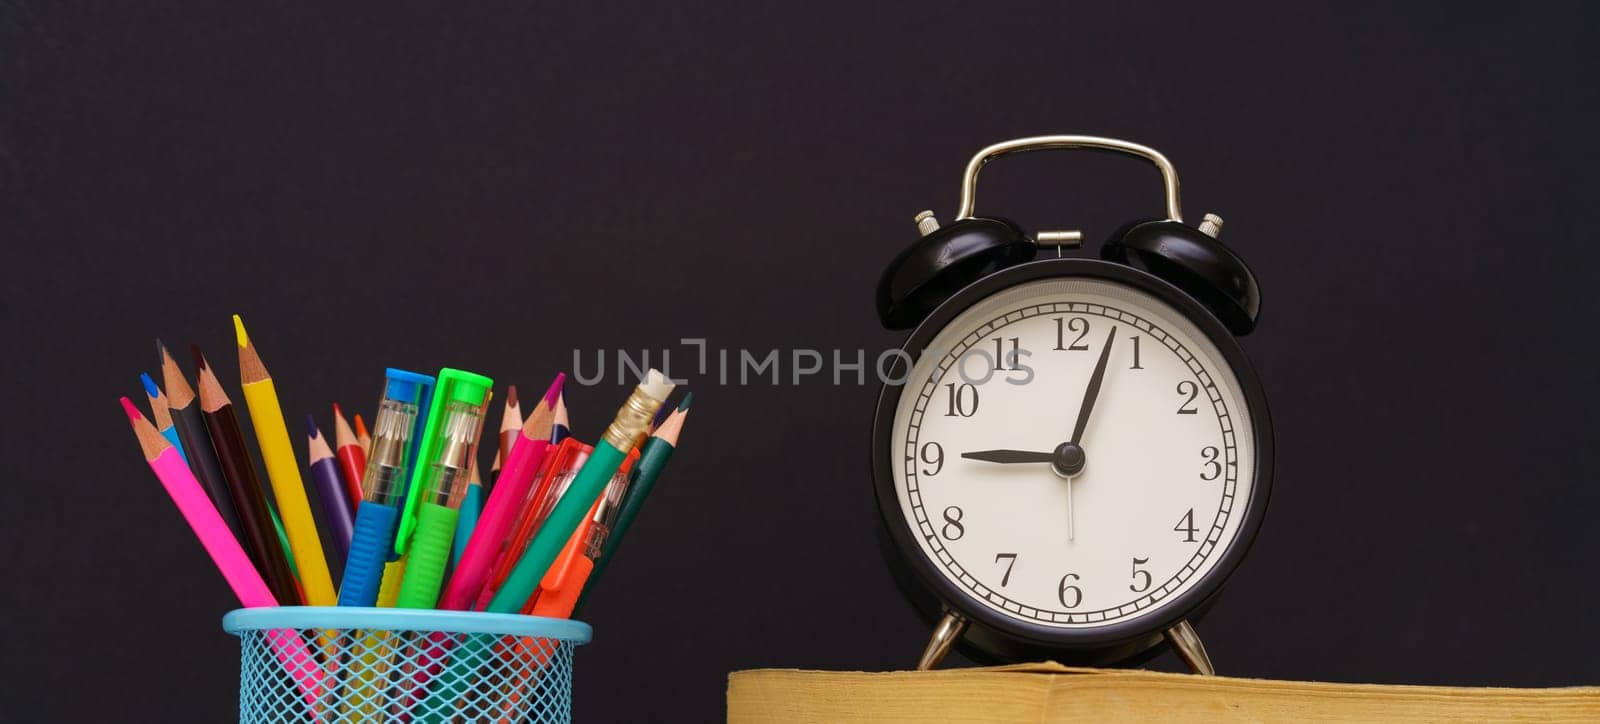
336,411
239,334
133,412
551,394
311,425
161,350
149,385
199,358
511,395
683,406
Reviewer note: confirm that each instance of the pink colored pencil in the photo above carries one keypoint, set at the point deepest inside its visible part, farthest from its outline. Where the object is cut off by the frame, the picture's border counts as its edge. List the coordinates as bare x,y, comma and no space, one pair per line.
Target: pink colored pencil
223,548
501,510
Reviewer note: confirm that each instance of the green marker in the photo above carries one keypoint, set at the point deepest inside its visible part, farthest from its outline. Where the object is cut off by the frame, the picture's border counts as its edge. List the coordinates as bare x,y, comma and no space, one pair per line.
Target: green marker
439,481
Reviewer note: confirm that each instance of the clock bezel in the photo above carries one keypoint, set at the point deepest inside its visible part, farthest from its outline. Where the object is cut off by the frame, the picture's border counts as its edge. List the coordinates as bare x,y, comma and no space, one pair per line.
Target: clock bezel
1001,636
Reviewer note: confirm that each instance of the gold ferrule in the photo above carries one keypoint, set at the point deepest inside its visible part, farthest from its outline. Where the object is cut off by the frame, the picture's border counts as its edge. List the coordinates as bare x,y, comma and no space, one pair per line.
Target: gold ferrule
628,429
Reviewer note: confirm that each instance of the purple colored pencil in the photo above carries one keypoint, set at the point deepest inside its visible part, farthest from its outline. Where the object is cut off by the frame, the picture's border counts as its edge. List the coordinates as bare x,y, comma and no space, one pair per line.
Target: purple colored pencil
331,493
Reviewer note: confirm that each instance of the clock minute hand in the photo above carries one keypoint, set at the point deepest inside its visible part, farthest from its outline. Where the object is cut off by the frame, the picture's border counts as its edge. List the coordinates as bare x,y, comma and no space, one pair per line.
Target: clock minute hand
1093,390
1010,456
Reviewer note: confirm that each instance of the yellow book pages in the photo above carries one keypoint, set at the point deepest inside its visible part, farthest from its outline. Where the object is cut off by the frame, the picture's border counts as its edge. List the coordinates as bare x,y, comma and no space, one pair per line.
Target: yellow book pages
1048,693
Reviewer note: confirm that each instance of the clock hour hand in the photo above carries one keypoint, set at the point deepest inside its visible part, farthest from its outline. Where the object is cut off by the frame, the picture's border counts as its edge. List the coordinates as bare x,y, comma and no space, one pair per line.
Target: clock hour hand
1010,456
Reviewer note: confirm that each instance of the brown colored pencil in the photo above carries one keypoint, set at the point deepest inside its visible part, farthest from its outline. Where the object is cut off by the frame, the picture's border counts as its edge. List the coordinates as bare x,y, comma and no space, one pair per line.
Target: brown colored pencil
510,424
243,486
191,425
510,428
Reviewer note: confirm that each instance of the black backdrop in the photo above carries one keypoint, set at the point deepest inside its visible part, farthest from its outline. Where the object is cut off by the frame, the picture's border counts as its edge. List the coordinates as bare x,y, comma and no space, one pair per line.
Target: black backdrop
496,185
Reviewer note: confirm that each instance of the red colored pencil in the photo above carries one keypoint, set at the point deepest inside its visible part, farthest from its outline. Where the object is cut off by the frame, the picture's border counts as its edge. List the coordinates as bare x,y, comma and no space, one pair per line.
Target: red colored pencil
352,459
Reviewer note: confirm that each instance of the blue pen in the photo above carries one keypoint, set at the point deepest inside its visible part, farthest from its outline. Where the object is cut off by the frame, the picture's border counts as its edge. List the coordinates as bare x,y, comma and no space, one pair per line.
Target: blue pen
383,485
161,414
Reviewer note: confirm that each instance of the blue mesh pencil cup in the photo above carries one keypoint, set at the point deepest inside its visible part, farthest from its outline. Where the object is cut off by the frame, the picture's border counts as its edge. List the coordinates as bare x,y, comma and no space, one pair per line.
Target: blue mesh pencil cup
348,664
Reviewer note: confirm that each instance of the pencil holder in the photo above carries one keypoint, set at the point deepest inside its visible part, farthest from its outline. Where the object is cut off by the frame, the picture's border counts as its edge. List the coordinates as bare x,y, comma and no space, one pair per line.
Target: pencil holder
348,664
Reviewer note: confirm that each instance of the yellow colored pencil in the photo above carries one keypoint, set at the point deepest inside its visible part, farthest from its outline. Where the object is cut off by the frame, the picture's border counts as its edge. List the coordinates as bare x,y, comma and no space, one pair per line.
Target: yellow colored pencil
272,434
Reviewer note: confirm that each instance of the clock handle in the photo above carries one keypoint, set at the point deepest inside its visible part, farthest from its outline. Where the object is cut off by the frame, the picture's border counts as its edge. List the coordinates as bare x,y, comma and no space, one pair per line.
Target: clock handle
1187,644
969,180
944,636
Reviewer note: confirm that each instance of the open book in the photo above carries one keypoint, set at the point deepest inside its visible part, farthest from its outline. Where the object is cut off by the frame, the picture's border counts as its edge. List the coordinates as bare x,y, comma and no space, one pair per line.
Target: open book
1050,692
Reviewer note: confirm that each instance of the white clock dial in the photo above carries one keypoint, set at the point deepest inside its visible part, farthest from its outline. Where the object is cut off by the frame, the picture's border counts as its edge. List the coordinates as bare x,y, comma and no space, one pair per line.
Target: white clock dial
1167,453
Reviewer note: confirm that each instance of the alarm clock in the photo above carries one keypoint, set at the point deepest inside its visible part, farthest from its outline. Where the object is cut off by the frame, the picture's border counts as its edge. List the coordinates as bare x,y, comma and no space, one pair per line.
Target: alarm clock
1070,455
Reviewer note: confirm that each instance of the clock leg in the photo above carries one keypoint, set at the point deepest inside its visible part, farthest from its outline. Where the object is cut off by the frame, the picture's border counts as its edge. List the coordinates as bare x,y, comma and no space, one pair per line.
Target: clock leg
1187,643
944,636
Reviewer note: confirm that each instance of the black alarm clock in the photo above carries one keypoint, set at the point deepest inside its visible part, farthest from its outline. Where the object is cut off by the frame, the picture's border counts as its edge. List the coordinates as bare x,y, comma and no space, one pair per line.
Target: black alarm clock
1071,455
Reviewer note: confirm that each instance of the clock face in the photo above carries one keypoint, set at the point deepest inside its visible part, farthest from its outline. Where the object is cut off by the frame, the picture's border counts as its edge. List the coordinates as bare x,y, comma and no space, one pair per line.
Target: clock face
1055,521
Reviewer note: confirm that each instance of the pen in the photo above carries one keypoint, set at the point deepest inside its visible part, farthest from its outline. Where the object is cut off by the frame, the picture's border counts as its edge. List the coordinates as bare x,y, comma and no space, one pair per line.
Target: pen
561,463
386,474
439,481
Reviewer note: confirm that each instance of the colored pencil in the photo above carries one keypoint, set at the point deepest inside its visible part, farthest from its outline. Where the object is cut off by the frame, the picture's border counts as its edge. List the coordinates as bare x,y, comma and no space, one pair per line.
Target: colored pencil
224,550
562,428
467,520
510,428
283,471
352,458
527,454
161,414
331,492
653,458
240,473
363,438
191,427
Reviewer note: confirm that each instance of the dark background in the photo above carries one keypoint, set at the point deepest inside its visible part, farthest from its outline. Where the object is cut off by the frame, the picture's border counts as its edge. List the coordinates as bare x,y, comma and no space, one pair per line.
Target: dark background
496,185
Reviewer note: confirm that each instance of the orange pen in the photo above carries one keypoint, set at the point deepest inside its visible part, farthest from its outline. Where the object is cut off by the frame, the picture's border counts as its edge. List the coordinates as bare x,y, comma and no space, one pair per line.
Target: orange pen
563,584
558,591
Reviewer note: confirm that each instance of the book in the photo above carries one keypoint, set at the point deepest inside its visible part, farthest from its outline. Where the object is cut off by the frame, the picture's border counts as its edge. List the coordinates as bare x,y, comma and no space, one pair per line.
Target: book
1050,693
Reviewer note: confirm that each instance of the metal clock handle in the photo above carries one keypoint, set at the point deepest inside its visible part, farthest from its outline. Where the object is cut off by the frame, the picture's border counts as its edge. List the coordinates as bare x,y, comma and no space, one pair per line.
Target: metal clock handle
969,180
